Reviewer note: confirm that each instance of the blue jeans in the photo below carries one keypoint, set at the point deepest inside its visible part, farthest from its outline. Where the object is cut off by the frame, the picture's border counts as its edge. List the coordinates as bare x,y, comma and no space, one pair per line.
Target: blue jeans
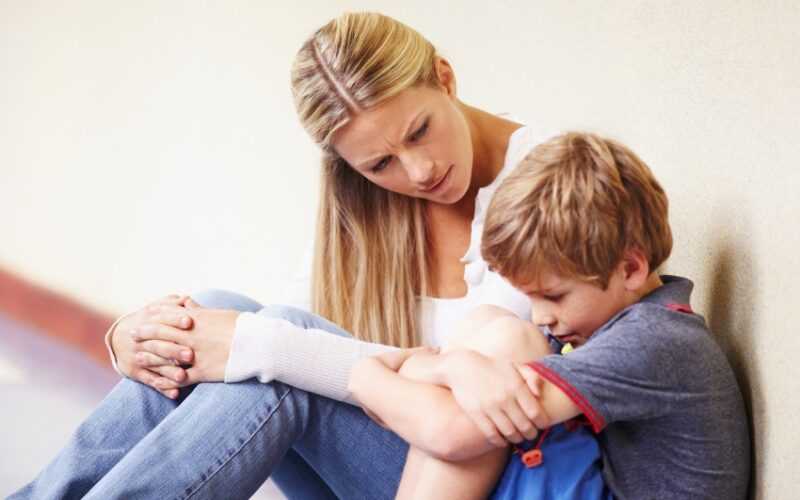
224,440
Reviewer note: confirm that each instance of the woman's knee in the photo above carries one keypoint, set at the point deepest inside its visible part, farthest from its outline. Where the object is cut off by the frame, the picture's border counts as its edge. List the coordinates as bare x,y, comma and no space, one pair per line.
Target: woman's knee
302,318
223,299
294,315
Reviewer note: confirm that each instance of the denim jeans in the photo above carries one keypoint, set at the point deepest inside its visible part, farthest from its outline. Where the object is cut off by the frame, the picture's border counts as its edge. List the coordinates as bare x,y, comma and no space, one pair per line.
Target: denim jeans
224,440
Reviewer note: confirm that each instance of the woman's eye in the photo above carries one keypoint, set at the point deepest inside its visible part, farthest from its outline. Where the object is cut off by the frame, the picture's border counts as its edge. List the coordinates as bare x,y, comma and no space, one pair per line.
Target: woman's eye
383,163
420,132
554,298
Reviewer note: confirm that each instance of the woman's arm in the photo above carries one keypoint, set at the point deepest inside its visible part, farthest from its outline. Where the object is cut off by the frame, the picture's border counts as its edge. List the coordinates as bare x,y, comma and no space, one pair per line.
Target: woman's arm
233,346
422,413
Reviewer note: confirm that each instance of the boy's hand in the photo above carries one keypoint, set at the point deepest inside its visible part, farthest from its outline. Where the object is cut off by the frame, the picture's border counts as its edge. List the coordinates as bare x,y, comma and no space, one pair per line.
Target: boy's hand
495,394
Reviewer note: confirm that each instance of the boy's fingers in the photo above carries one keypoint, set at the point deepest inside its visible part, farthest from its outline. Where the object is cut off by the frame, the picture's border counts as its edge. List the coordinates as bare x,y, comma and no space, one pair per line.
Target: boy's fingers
530,405
531,378
505,426
521,422
488,429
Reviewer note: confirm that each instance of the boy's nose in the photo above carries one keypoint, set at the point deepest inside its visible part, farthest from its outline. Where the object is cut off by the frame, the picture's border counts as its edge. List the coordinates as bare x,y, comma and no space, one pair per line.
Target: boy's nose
541,317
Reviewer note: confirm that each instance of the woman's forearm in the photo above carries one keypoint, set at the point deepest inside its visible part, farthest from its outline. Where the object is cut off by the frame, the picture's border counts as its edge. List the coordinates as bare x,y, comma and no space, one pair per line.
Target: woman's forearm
309,359
424,414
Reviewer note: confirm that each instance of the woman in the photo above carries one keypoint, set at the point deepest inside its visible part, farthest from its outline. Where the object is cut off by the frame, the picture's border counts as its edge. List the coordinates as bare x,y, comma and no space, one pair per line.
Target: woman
408,170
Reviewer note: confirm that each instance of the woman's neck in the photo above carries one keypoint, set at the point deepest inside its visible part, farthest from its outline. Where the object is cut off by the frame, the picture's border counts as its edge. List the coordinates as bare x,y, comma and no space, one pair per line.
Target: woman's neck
490,137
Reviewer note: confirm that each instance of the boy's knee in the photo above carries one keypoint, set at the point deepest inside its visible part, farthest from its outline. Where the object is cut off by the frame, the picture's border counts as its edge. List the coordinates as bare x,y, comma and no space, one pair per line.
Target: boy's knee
215,298
469,327
486,313
510,337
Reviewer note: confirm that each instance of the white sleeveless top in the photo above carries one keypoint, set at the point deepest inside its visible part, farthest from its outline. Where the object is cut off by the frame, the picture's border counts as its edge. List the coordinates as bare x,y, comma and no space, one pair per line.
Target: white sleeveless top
437,316
316,361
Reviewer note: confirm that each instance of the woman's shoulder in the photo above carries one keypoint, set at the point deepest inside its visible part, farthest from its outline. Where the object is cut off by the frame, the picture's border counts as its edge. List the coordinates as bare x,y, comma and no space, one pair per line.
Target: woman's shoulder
524,139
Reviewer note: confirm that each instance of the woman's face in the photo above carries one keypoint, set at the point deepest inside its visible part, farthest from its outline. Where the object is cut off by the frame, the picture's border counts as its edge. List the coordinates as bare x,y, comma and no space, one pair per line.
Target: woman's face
417,144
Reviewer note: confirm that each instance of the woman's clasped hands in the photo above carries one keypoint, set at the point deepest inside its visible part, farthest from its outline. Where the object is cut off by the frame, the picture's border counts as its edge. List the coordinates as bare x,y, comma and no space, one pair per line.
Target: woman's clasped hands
174,342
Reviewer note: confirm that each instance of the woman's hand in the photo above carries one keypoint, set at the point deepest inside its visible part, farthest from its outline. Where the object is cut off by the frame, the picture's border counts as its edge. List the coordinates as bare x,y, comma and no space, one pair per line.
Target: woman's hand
153,362
494,394
210,340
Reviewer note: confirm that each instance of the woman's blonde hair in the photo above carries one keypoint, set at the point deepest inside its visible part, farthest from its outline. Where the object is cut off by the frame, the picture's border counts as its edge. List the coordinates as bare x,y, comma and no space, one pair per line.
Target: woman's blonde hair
573,206
370,258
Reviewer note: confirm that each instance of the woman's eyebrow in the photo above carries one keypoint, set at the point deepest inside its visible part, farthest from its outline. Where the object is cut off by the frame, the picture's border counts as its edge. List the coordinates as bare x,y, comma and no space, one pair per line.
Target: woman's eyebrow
409,130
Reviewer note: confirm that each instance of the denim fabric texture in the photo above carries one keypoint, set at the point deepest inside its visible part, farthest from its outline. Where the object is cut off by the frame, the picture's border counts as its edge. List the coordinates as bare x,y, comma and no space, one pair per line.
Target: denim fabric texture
224,440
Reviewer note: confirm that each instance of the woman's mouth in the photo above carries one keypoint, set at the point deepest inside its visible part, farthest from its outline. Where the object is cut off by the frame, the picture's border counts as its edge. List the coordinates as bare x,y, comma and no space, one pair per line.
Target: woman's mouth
440,183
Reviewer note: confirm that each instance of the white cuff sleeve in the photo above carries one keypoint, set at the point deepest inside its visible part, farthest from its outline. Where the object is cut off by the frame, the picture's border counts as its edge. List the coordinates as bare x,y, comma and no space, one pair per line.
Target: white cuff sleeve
309,359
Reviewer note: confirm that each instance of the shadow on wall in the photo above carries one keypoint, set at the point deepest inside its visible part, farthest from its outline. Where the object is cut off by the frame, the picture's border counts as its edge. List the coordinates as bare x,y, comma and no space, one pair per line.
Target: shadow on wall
732,299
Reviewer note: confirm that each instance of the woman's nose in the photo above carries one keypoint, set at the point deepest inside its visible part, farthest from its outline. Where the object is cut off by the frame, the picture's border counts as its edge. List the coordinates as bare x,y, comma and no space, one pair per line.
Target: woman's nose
420,170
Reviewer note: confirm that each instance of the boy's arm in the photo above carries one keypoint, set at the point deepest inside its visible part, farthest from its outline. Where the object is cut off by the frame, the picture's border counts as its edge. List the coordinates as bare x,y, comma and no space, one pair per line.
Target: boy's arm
552,404
424,414
557,406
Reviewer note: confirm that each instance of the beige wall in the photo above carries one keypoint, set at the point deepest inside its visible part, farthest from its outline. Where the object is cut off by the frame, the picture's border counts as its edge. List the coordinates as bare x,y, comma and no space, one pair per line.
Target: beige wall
151,146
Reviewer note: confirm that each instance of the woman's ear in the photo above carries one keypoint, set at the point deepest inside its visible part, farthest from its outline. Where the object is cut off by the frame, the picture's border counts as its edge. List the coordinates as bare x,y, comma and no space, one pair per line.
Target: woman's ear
445,75
635,269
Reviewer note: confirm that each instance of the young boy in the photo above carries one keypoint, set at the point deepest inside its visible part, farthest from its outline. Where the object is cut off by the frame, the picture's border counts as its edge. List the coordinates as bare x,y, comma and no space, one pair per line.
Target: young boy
581,227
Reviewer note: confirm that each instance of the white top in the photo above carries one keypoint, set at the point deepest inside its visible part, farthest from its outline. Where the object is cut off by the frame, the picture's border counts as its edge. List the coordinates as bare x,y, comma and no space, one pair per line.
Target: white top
319,362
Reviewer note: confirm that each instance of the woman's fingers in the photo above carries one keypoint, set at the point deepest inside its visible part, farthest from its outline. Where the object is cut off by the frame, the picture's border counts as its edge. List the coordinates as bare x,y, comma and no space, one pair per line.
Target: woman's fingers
172,299
172,372
166,350
169,393
169,314
148,360
162,366
166,387
158,331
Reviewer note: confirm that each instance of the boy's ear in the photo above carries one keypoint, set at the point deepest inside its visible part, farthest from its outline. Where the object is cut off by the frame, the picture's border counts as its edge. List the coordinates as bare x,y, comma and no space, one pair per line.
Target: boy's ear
635,269
445,75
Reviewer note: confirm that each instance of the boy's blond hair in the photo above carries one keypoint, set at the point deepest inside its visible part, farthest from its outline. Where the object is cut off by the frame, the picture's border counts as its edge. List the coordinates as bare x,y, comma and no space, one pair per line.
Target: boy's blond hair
573,206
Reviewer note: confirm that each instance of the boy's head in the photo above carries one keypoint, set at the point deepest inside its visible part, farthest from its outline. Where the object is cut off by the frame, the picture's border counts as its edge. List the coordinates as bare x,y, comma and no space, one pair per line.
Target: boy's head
580,225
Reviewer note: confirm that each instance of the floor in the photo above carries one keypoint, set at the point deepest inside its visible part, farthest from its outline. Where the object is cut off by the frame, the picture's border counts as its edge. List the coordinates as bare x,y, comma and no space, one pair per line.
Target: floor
46,389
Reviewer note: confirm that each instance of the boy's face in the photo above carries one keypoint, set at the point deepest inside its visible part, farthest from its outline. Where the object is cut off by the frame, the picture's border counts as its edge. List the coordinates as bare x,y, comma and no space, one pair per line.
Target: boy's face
572,309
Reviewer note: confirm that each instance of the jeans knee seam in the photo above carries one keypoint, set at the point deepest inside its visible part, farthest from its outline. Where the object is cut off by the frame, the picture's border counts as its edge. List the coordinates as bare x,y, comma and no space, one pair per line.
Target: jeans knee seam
200,484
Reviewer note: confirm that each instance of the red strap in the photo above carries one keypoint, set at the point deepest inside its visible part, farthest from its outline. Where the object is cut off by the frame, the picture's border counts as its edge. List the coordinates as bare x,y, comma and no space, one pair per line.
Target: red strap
683,308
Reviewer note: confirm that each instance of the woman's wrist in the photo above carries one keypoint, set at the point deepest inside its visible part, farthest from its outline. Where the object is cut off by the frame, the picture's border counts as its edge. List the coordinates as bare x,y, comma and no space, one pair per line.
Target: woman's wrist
362,373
